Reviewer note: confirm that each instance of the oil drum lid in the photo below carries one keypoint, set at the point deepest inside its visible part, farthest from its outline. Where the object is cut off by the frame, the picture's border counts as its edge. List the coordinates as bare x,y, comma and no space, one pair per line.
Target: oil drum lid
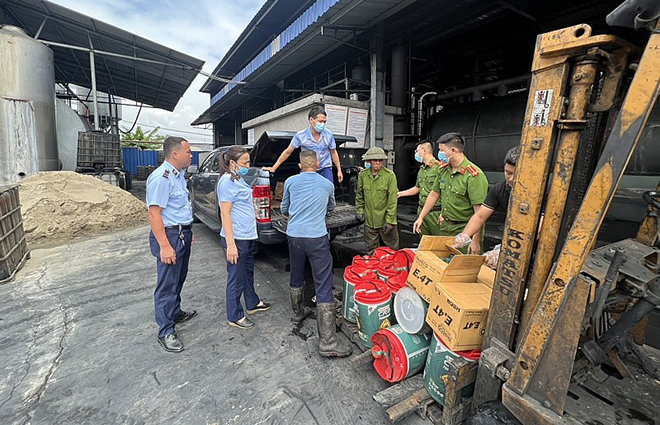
397,281
366,261
410,310
383,252
403,259
390,358
385,267
357,274
372,292
470,355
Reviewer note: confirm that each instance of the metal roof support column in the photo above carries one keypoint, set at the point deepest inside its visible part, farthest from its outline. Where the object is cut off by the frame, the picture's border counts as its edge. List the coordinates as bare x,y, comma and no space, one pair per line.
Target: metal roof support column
92,67
377,98
238,130
399,84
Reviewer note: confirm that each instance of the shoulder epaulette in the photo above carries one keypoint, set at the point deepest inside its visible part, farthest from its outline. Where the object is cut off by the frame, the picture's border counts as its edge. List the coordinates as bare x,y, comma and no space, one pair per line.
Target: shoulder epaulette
441,164
166,173
473,170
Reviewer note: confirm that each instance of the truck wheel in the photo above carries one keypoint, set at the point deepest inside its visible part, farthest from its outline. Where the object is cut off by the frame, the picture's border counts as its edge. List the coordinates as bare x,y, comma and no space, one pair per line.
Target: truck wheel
121,180
128,180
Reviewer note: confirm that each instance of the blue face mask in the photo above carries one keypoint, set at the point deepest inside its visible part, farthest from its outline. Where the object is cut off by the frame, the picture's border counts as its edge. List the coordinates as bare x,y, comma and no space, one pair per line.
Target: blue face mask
319,127
243,171
443,157
418,158
367,165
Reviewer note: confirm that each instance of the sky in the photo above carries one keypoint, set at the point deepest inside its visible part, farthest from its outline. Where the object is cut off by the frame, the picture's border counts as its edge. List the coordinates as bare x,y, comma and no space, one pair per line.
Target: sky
204,29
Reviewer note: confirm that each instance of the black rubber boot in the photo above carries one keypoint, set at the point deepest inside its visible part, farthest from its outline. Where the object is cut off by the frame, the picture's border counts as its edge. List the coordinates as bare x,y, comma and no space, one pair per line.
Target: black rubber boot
298,305
329,344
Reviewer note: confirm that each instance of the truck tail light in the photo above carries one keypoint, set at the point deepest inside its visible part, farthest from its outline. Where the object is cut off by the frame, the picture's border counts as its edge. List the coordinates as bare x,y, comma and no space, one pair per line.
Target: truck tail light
261,197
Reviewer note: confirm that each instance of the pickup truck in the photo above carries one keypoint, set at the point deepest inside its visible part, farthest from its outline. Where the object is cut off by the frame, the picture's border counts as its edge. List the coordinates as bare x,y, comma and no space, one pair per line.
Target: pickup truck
271,224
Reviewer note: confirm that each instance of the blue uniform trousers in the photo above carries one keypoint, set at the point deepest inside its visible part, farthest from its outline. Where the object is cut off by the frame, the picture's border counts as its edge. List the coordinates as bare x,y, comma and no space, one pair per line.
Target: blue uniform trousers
240,280
167,296
327,173
320,258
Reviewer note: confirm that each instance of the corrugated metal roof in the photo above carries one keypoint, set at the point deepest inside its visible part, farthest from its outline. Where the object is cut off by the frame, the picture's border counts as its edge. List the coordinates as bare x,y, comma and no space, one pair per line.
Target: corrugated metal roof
273,17
301,42
160,84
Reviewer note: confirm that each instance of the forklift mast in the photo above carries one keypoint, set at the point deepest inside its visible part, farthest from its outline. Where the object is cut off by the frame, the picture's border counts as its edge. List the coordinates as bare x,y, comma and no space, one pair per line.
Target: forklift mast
540,295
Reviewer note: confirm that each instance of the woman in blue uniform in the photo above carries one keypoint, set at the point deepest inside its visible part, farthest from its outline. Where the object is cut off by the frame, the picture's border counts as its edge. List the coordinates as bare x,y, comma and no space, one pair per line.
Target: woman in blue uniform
239,236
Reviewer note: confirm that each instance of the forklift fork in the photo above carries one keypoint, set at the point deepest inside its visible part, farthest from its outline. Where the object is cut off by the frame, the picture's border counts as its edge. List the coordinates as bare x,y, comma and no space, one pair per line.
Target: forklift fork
554,55
537,388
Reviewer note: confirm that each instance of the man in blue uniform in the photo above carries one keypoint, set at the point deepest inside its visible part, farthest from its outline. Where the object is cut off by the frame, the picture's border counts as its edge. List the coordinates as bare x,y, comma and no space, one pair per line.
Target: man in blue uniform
315,138
307,197
170,239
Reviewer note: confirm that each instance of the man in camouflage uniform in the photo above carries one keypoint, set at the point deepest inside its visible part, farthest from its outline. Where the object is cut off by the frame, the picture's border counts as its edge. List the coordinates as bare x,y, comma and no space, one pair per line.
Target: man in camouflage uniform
426,178
461,188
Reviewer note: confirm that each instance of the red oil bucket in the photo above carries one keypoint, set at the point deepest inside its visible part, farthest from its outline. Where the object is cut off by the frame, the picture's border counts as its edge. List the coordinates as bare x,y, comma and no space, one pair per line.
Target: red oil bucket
373,307
383,252
388,274
397,282
403,259
353,275
437,368
397,354
366,261
385,269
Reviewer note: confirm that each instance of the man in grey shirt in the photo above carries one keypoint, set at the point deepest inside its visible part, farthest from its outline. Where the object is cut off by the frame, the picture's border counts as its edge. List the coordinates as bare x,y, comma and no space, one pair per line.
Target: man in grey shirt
307,198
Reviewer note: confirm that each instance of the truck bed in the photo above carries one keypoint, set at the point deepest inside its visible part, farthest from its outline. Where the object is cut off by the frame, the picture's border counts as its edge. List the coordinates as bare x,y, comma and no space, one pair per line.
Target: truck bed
340,219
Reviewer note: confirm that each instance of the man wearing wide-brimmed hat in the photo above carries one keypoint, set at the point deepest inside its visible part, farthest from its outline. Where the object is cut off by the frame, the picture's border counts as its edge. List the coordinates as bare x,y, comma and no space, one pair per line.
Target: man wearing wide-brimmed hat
376,201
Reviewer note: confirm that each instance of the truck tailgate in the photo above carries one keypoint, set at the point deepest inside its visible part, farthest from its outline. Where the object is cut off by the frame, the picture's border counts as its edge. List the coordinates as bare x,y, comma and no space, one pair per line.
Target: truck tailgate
340,219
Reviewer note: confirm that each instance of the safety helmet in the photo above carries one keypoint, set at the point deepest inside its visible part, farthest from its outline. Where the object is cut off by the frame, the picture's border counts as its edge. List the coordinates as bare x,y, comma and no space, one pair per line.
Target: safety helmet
374,153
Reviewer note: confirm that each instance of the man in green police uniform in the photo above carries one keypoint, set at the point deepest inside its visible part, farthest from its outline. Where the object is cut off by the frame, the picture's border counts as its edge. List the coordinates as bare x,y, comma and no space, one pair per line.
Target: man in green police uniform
461,187
376,201
426,178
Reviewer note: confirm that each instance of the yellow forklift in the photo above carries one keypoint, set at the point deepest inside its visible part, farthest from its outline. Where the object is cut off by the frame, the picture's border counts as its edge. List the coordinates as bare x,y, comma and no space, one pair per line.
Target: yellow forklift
562,344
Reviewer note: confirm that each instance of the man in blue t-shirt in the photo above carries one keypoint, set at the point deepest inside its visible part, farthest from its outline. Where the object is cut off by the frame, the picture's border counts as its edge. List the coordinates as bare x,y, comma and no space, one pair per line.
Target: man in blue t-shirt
318,139
307,198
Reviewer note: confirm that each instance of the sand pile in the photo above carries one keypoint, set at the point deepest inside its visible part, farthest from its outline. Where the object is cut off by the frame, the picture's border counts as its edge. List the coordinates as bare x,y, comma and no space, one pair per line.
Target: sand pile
60,206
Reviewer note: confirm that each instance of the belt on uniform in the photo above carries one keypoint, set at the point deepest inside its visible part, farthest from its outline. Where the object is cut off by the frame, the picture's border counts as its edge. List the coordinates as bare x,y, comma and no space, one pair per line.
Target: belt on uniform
454,223
437,208
180,227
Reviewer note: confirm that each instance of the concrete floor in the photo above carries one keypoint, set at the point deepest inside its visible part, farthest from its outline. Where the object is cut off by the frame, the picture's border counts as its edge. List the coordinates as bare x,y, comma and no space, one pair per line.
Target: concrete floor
78,345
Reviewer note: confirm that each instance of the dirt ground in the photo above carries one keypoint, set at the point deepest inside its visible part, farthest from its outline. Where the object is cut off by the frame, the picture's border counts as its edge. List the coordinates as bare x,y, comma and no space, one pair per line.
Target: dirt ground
78,345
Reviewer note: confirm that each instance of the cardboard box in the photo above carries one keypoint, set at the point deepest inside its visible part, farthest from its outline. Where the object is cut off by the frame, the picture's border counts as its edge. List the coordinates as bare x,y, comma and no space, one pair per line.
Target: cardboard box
458,313
486,276
428,269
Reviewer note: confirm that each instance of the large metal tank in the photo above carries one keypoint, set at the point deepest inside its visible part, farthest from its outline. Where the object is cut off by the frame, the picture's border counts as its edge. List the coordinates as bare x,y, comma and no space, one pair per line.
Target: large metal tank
28,141
490,128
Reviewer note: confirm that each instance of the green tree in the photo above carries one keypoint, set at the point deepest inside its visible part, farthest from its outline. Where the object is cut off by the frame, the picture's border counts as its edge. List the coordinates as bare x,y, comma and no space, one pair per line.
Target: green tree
142,140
